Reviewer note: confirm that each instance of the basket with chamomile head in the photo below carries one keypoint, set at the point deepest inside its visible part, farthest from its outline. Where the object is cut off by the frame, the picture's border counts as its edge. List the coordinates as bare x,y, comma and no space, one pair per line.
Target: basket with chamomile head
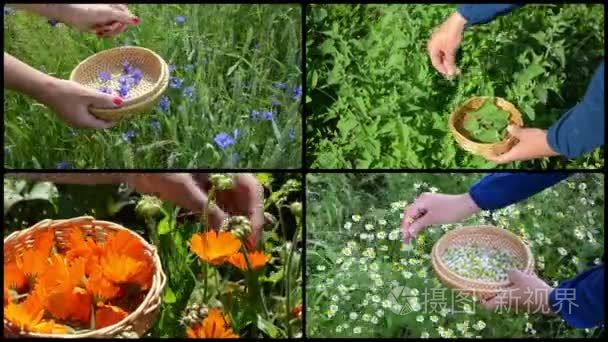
479,126
80,278
476,261
138,75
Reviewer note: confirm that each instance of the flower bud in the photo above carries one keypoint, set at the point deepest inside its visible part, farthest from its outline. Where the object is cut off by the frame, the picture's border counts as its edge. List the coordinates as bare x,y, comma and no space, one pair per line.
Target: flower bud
221,181
149,206
296,209
238,225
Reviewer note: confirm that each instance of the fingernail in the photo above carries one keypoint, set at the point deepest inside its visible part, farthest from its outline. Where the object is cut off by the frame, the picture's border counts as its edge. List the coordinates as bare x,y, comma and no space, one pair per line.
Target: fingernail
117,101
135,20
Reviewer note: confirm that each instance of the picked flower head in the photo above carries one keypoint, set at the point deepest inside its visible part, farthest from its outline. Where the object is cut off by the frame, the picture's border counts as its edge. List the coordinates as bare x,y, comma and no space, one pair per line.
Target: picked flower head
104,76
175,83
180,19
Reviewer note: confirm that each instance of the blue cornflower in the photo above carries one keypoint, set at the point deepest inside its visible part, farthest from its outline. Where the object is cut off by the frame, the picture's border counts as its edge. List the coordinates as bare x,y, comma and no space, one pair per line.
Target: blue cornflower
104,76
280,85
105,90
137,75
255,114
8,10
224,140
128,135
72,133
155,125
53,22
267,116
257,45
164,104
291,134
189,93
236,133
123,91
189,67
205,61
171,68
297,93
123,80
64,165
180,19
126,67
175,83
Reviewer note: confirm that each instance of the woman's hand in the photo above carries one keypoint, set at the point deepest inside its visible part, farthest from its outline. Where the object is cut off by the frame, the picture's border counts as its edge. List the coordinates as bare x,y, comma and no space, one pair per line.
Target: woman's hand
532,144
107,20
246,197
444,43
430,209
71,101
527,292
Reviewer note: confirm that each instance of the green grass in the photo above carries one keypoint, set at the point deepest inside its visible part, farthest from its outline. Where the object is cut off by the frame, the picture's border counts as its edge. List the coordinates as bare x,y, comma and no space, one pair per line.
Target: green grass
569,215
375,101
280,282
238,53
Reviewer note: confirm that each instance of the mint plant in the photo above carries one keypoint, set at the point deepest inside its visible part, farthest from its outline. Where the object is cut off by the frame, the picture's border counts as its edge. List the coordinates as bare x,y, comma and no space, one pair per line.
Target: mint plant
488,124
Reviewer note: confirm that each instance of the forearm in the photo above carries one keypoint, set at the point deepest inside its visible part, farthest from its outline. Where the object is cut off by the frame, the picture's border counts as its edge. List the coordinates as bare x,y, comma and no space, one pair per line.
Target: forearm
74,178
51,11
475,14
499,190
581,129
23,78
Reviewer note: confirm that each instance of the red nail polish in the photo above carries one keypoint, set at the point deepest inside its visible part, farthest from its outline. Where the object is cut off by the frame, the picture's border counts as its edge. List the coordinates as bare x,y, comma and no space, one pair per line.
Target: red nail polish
117,101
135,20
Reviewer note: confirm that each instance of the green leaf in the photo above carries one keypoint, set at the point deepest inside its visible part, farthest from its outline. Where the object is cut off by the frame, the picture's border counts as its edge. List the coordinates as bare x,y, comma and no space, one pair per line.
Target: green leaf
166,225
268,327
169,296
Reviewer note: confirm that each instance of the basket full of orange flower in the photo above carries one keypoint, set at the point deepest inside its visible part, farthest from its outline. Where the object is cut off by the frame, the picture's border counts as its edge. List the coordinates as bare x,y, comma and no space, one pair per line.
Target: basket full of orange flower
80,278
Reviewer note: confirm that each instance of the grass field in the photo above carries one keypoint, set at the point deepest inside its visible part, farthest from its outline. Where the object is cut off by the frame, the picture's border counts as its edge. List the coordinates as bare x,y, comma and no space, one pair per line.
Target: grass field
353,264
266,303
238,59
375,101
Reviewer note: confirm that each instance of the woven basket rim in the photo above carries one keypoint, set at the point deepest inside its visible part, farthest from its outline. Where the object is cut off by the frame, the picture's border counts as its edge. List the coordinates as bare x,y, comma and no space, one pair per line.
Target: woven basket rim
131,109
134,48
463,230
479,146
150,303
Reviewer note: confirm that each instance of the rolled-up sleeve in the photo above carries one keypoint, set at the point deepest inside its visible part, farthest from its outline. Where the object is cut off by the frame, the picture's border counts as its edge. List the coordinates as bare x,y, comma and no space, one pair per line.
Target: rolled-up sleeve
581,129
580,301
499,190
484,13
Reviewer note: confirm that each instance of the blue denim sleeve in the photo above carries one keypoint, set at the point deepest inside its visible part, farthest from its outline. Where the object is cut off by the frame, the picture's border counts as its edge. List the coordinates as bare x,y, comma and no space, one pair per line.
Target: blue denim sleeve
580,301
499,190
483,13
581,129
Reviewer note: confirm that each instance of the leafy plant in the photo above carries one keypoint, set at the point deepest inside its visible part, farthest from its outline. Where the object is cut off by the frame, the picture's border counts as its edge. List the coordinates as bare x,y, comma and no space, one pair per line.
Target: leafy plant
487,124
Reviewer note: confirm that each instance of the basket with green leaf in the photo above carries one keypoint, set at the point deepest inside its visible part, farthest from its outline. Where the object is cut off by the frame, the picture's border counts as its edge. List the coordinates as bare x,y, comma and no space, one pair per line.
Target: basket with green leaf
480,125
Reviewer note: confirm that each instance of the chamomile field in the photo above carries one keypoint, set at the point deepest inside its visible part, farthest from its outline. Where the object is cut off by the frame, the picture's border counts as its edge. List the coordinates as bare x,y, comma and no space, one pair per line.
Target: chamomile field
362,282
234,96
374,100
212,288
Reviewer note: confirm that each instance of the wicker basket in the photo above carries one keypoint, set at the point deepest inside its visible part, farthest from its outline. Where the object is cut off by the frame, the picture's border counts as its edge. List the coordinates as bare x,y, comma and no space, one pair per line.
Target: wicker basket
456,123
138,321
487,236
154,82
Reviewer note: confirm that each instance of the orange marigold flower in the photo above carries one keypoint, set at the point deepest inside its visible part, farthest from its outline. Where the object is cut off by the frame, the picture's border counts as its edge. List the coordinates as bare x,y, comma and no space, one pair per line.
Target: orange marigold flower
44,241
215,247
297,311
106,315
257,260
120,268
50,327
26,314
74,304
79,248
102,288
7,296
33,262
14,277
215,325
